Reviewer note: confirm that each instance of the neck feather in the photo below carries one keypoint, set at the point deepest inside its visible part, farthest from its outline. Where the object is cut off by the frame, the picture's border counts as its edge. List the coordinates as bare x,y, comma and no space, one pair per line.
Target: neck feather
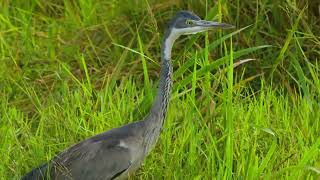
160,106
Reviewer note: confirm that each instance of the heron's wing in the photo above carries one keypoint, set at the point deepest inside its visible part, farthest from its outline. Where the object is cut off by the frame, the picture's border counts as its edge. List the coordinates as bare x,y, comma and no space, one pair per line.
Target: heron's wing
93,160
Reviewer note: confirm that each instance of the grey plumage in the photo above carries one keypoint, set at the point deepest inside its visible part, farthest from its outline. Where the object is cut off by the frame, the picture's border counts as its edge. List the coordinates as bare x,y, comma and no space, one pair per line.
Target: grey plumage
117,153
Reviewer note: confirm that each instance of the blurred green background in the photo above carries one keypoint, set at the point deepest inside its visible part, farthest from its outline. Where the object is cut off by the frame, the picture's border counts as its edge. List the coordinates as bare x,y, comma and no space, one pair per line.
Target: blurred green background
70,69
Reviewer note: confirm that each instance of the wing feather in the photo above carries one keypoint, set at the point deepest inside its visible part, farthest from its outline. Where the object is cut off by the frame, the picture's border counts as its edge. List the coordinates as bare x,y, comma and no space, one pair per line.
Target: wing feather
95,160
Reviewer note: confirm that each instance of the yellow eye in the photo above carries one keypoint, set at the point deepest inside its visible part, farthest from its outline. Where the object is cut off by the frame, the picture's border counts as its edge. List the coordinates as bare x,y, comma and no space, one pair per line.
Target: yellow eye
189,22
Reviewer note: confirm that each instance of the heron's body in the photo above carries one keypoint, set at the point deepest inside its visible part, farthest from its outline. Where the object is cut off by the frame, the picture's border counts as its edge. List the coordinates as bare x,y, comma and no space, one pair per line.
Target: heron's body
90,159
117,153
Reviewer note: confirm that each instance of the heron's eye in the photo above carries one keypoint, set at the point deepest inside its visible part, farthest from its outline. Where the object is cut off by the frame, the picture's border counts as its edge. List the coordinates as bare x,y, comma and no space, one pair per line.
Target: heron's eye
189,22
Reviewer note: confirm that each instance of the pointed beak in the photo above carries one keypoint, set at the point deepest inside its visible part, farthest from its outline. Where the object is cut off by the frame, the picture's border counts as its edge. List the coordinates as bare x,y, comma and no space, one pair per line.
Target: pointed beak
212,24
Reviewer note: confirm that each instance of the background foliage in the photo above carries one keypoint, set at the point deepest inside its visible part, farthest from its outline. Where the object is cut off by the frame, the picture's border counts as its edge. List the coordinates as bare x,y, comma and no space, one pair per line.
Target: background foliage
70,69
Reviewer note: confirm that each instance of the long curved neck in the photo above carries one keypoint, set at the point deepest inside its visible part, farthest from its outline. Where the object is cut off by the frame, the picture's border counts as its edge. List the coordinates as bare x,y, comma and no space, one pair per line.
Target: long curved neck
160,105
154,121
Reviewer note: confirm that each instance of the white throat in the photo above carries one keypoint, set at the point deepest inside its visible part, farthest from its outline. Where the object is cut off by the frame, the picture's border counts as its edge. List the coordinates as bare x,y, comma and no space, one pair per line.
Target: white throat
174,34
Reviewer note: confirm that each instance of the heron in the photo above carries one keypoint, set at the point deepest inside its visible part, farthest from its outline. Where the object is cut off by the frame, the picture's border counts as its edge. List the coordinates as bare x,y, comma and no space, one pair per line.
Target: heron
117,153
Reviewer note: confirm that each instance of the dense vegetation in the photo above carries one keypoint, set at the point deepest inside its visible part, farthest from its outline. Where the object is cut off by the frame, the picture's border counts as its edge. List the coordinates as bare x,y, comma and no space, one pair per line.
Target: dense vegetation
245,102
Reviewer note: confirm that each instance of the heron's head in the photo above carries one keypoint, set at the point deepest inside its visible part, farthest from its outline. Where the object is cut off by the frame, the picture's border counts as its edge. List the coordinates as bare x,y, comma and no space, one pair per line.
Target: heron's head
186,22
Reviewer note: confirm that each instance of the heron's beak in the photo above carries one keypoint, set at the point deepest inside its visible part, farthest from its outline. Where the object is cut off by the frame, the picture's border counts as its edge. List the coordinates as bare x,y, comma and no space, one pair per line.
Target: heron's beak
212,24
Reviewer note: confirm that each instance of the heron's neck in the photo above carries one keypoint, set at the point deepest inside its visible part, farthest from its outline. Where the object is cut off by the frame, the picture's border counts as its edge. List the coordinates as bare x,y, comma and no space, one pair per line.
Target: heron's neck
160,105
159,108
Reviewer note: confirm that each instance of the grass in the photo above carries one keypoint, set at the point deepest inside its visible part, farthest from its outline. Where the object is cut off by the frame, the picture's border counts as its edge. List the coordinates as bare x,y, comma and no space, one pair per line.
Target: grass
244,105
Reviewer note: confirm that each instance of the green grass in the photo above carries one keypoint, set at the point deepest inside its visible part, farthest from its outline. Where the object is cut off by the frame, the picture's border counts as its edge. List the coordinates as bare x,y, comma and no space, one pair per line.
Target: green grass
244,105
